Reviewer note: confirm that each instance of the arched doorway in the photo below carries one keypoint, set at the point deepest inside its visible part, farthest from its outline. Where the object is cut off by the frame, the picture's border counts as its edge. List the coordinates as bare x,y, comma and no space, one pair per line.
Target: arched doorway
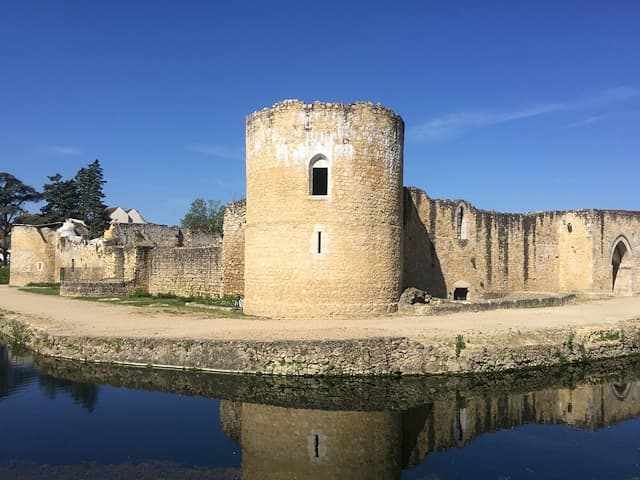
621,280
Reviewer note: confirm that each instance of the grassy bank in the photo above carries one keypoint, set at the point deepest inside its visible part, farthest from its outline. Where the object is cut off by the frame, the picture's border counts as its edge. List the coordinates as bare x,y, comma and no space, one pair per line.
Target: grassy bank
165,301
4,275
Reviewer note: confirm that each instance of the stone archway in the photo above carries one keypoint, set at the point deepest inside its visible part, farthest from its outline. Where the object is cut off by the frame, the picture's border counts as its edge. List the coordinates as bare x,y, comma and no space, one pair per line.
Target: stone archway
621,271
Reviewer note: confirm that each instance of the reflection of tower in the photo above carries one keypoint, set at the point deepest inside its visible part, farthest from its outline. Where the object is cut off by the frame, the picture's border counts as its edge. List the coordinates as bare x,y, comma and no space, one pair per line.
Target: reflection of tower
284,443
324,209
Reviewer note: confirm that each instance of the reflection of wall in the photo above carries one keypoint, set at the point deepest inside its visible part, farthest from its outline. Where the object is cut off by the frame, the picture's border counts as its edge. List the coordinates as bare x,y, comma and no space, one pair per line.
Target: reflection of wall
279,443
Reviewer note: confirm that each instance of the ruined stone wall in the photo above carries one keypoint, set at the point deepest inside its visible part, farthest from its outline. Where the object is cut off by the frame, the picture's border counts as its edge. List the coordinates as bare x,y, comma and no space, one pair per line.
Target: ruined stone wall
613,229
494,253
233,248
113,263
186,272
32,255
451,244
356,269
151,234
80,261
104,288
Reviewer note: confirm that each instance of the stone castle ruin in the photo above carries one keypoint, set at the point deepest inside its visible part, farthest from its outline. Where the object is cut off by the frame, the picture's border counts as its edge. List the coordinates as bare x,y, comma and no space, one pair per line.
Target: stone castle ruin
329,229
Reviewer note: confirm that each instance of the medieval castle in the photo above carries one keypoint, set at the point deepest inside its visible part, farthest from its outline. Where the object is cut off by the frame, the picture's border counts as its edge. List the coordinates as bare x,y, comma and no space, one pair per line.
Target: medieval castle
328,229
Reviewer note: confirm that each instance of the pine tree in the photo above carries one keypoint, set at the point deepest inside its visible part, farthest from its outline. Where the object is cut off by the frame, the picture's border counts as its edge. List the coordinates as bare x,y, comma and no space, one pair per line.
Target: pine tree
89,182
62,200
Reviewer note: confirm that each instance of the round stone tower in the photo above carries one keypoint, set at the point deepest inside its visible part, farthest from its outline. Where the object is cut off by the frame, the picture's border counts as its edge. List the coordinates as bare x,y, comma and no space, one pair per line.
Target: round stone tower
324,210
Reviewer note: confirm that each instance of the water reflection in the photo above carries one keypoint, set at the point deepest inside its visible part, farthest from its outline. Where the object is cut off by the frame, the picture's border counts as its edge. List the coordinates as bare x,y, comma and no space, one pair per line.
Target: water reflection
17,370
282,442
357,428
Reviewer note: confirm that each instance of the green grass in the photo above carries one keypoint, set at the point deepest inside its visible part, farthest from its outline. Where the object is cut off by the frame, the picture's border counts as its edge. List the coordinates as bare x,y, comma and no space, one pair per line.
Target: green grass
4,275
42,288
139,300
608,335
167,302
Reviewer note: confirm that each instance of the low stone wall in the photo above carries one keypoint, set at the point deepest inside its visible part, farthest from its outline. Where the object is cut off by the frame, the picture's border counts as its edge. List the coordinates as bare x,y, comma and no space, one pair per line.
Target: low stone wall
368,357
332,393
549,300
104,288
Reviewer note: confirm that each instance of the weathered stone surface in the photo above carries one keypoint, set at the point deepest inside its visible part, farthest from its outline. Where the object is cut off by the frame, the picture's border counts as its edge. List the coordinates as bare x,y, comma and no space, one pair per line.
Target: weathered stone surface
233,248
500,351
323,255
450,244
413,296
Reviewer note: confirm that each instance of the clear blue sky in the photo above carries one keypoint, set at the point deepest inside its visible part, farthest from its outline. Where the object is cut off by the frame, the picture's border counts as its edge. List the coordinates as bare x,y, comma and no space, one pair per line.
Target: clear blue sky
514,106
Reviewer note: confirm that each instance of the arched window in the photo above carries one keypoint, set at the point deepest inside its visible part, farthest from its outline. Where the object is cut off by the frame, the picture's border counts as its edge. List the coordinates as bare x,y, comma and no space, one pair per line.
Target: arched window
621,265
319,176
461,223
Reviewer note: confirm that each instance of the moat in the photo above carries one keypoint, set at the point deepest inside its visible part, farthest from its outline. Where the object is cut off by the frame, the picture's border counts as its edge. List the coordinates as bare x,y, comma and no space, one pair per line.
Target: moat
66,419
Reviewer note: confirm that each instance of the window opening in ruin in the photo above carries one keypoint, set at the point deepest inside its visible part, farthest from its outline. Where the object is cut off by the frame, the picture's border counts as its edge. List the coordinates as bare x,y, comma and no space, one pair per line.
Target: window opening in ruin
460,293
319,242
316,446
73,265
319,177
461,223
616,261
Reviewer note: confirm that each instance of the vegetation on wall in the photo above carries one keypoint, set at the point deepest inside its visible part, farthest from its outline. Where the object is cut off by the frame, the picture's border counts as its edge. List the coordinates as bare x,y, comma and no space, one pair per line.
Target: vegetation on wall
207,216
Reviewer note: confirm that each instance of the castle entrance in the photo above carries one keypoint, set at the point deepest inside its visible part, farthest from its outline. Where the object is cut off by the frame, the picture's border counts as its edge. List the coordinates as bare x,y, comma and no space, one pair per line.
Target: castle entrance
460,293
621,269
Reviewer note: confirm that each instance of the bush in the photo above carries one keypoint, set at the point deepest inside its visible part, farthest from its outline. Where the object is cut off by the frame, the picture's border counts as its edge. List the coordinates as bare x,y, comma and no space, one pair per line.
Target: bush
4,275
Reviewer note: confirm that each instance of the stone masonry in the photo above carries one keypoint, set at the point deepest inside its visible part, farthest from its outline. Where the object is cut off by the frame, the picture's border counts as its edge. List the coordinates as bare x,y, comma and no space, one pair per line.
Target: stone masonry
327,229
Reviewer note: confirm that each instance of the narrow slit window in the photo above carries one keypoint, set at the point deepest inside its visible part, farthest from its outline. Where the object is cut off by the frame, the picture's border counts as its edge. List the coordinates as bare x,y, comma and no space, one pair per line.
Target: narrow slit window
316,446
319,177
319,242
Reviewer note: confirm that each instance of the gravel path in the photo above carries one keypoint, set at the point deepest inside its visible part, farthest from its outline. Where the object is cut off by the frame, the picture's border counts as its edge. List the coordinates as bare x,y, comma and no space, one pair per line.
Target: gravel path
59,315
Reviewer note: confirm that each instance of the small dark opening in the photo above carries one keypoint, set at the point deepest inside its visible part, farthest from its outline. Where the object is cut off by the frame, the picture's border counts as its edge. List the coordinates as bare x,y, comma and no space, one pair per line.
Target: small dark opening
319,181
460,293
319,242
73,265
316,446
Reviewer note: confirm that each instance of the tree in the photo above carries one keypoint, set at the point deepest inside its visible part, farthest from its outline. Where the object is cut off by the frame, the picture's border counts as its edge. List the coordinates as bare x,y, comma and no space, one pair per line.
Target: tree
204,216
62,200
89,182
13,195
80,197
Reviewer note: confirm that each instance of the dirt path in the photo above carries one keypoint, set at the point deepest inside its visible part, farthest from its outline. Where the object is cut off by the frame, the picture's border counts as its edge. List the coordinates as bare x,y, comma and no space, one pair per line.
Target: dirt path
69,316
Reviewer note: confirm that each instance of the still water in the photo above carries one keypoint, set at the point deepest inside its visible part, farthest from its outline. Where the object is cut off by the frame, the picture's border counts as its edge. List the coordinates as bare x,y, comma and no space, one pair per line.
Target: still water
68,420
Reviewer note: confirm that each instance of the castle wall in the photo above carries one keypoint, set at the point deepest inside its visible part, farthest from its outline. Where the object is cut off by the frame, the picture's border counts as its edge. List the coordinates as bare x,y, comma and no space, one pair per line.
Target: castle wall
612,228
493,253
81,261
32,255
186,272
233,248
358,224
450,244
